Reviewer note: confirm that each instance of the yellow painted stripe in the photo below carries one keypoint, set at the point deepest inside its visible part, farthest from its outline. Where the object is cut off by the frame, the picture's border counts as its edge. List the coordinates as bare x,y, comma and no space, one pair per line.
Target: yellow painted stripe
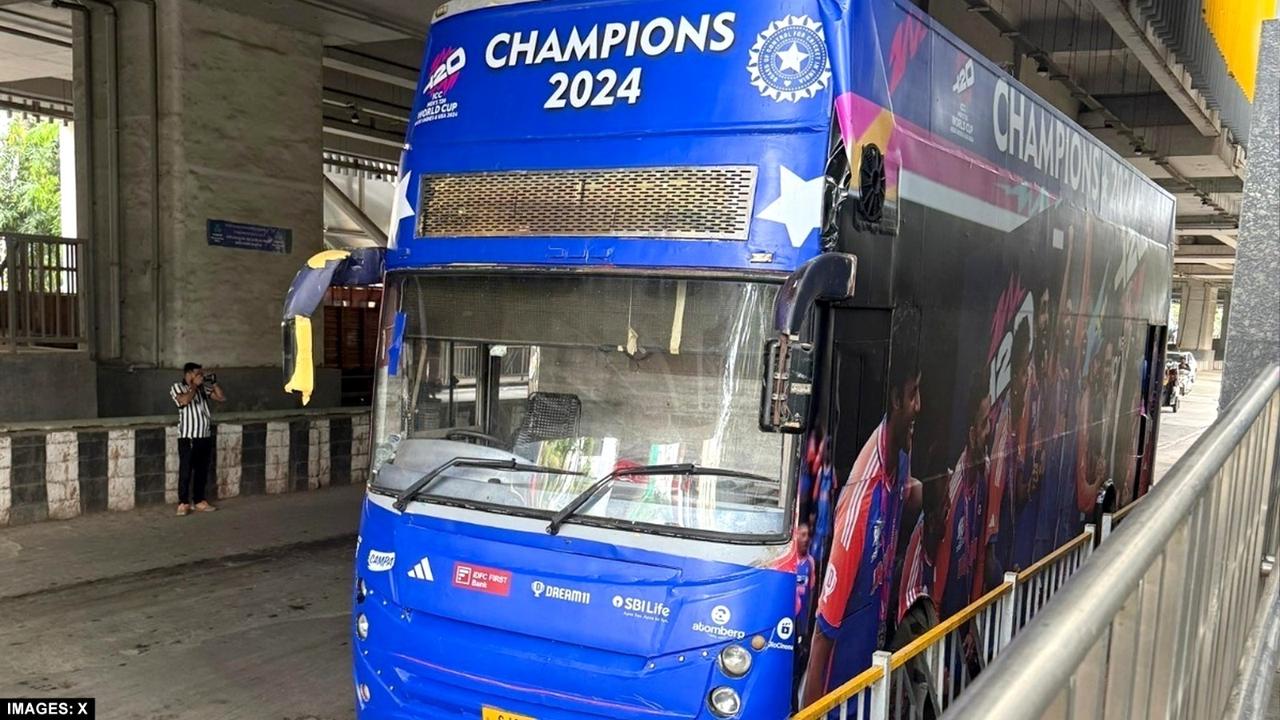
935,635
1236,26
946,627
1036,567
1124,510
832,700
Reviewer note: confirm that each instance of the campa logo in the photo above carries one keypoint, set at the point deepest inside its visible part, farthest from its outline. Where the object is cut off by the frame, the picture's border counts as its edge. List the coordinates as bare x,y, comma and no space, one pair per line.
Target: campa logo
379,561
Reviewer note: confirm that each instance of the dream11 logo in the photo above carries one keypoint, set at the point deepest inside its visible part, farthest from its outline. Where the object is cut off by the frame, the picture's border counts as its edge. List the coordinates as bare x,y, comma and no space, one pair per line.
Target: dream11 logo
445,70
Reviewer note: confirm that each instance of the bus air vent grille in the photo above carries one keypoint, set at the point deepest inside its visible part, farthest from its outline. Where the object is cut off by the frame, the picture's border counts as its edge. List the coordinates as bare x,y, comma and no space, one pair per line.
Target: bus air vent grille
704,203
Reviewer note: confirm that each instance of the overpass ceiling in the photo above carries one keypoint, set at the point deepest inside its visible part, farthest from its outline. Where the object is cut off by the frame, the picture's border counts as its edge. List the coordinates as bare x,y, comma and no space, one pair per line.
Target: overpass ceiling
35,42
1104,68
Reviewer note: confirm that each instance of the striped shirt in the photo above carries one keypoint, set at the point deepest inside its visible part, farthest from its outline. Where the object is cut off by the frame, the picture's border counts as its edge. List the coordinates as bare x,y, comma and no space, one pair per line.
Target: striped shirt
866,533
919,575
194,419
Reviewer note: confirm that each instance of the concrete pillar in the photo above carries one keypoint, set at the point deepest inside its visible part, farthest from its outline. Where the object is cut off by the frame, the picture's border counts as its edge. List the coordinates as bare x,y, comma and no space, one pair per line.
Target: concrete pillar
216,115
1253,335
1195,328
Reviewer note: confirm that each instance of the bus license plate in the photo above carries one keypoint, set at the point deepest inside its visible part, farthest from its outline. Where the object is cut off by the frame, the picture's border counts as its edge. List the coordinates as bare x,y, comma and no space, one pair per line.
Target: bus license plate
488,713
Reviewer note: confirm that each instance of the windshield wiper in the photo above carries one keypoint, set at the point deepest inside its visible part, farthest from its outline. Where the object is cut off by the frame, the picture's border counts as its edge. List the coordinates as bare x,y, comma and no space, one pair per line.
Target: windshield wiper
585,496
483,463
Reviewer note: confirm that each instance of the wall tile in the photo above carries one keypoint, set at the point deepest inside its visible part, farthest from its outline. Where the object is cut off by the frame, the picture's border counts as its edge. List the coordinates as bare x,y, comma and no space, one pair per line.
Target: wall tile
62,468
120,470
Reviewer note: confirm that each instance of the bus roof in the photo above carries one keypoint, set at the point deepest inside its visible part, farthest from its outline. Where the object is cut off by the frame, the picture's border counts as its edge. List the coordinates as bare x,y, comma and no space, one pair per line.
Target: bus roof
697,134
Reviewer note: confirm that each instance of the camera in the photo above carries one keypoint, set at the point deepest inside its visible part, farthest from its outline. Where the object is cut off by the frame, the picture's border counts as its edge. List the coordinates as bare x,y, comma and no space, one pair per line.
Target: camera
211,379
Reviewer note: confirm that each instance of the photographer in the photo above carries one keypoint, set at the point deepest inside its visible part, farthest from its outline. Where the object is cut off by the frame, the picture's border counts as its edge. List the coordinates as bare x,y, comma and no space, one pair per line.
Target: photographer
195,435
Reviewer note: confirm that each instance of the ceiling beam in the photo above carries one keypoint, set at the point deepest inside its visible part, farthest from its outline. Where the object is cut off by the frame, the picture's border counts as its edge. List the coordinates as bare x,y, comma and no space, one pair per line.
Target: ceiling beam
1161,63
347,206
1203,260
1230,184
1059,73
1070,34
1153,109
370,68
1205,251
1192,225
1211,274
334,127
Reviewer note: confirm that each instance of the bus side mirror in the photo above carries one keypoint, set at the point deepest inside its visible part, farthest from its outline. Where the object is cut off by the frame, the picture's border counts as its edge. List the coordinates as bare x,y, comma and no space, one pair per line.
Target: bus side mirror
788,362
788,387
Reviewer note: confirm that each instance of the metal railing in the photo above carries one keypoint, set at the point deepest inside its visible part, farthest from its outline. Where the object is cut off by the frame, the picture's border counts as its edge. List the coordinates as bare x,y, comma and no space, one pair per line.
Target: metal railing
43,300
1160,621
925,677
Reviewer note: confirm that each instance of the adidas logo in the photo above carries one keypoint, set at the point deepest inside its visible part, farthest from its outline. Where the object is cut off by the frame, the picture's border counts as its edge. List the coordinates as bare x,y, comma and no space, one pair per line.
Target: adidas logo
422,571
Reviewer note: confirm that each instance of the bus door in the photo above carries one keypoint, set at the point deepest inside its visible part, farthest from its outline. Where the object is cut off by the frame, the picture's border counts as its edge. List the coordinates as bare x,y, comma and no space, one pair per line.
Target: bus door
859,370
1152,392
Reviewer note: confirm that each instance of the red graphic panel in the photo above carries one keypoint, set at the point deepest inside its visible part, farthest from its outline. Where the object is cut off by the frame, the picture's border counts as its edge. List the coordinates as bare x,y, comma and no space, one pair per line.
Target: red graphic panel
482,579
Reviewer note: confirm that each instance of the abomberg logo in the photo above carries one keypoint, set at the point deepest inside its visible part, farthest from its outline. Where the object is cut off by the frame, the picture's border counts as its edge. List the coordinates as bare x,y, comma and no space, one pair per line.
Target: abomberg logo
643,609
720,615
381,561
789,61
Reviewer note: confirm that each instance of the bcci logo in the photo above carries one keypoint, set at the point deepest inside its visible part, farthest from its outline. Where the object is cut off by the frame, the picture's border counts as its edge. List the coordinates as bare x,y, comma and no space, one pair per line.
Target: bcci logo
789,61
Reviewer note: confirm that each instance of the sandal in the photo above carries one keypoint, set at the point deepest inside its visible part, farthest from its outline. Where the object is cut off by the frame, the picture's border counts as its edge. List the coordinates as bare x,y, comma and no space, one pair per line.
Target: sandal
184,510
204,506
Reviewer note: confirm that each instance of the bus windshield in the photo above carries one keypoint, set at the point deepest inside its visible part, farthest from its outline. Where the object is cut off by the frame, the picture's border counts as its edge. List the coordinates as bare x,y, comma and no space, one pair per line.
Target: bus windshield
588,375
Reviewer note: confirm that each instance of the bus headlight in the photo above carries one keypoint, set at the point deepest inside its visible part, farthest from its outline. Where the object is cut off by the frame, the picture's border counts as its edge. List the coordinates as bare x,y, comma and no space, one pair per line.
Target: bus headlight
724,702
362,626
735,661
362,591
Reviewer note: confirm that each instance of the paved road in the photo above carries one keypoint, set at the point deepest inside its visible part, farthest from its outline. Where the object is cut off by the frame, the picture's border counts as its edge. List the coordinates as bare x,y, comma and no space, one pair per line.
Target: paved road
238,615
1180,430
258,638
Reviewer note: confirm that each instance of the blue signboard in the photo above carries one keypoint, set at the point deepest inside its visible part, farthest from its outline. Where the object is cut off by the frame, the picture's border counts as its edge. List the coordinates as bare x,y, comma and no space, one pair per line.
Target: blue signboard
250,237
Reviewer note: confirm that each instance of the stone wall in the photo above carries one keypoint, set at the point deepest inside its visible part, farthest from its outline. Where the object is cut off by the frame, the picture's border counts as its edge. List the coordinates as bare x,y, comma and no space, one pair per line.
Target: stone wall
37,386
1253,334
62,471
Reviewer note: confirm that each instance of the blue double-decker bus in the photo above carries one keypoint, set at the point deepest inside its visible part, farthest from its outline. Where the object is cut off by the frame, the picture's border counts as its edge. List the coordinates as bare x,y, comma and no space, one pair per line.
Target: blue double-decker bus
724,343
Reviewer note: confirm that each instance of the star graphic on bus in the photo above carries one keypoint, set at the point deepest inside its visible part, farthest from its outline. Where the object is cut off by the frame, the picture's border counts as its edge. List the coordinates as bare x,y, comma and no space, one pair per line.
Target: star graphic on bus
798,207
793,58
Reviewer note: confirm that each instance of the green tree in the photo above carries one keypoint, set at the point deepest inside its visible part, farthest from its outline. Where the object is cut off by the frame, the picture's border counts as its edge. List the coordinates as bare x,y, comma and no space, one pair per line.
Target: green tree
30,189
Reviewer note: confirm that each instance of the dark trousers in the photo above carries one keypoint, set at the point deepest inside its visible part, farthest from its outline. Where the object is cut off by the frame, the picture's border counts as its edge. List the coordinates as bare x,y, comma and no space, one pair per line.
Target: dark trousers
193,468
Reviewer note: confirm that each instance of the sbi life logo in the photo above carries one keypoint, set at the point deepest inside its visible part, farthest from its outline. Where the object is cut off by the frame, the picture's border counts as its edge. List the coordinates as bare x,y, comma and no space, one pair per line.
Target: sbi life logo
642,608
